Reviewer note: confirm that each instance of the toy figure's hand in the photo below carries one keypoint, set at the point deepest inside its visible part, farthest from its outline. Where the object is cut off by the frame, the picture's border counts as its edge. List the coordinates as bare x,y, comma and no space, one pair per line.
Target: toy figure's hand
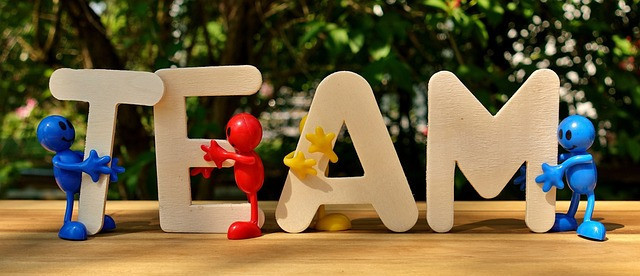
215,153
94,166
206,172
321,142
522,178
115,170
551,176
300,165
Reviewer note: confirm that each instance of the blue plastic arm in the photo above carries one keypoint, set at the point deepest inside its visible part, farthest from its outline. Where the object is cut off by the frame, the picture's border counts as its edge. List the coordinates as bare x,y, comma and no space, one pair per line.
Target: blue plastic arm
66,166
94,166
563,156
575,160
552,175
115,170
521,179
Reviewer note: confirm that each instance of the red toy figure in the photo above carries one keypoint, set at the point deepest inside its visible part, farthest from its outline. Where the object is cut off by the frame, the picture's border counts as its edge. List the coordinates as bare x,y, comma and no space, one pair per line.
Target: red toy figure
244,133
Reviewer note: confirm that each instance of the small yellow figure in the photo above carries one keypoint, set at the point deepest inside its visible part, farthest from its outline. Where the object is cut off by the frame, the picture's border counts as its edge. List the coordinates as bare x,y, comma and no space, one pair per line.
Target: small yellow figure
331,222
321,142
299,164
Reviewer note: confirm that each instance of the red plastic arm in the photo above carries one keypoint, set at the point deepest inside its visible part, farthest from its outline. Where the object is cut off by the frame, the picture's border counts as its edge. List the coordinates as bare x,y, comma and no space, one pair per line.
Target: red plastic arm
217,154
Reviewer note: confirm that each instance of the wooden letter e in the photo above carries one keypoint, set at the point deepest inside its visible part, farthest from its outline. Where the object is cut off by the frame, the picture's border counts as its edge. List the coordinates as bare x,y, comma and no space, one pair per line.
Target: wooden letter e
176,153
346,98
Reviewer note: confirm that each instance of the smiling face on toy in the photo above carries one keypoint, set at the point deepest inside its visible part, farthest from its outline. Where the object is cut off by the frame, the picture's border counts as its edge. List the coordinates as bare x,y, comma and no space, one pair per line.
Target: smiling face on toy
576,133
244,132
55,133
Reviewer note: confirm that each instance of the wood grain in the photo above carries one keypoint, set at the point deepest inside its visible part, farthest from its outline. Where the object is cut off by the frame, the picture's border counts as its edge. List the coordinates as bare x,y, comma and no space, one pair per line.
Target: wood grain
488,238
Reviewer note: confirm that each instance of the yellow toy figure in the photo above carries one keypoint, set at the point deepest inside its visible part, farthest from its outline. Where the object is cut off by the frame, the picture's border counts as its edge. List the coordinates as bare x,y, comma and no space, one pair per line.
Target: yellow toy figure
296,161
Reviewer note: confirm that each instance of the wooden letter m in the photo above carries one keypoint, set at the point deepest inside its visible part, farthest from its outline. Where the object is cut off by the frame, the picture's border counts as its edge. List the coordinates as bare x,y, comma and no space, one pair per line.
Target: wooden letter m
489,149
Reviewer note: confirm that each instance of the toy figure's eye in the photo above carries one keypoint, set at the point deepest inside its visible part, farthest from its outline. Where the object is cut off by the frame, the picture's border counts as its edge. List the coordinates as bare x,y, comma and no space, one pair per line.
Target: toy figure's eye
228,131
69,124
568,135
62,125
560,134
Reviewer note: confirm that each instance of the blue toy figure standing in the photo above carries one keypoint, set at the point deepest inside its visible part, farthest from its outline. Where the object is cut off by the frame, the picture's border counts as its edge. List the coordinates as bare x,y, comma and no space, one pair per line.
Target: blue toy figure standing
575,134
56,134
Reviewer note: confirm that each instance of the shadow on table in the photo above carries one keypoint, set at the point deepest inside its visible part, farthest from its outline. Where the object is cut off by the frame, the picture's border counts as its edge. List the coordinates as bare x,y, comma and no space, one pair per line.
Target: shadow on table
494,225
130,227
610,226
510,225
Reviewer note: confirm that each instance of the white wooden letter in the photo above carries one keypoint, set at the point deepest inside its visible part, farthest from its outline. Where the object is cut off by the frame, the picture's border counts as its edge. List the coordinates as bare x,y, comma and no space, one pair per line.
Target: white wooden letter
490,149
104,90
176,153
345,97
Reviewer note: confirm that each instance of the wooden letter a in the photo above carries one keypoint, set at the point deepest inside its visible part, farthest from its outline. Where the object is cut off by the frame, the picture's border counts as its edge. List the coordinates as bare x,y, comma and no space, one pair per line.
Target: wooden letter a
345,97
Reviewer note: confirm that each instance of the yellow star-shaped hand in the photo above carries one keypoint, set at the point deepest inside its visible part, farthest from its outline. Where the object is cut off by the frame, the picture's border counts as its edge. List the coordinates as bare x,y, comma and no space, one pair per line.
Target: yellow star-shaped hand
302,122
321,142
299,164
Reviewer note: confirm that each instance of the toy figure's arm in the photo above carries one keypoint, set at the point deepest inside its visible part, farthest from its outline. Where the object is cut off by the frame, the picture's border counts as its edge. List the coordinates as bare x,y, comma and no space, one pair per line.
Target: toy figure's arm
563,156
217,154
93,166
115,169
66,166
205,171
522,177
552,175
521,180
241,158
575,160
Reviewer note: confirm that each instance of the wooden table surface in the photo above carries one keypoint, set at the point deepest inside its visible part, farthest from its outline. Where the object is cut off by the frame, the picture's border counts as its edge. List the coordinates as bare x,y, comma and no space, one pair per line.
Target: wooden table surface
489,237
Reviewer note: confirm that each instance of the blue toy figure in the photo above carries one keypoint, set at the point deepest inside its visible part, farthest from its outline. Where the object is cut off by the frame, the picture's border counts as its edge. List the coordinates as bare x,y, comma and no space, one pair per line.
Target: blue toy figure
576,135
56,134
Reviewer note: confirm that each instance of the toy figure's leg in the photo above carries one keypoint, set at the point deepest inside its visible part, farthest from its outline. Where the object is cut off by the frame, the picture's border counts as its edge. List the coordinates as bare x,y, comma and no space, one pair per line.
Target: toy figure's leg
69,211
331,222
109,224
253,200
573,207
591,229
591,201
72,230
567,222
246,229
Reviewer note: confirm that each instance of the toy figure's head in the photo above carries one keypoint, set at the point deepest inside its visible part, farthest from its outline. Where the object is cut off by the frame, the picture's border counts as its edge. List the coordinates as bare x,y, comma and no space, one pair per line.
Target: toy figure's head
576,133
55,133
244,132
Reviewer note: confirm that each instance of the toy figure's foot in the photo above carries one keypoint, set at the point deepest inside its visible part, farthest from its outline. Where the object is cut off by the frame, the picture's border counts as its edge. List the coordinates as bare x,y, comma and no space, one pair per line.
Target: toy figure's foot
73,231
109,224
240,230
333,222
564,223
592,230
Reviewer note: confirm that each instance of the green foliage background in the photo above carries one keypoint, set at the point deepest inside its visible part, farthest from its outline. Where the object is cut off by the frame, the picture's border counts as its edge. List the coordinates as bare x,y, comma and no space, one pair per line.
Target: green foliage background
493,46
